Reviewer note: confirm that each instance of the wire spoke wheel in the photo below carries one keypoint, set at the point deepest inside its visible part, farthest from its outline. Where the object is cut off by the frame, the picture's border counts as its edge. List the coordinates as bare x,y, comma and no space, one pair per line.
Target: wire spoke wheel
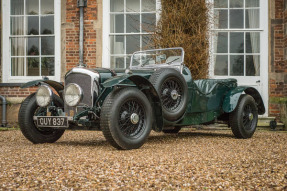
29,108
126,118
243,119
171,94
131,118
172,90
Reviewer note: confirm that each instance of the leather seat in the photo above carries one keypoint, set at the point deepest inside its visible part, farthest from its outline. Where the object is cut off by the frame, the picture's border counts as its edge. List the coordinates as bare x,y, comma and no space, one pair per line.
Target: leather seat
206,86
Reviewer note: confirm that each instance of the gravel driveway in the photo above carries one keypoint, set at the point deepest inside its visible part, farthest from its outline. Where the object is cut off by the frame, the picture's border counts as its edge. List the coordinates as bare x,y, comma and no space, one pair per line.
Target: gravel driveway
197,160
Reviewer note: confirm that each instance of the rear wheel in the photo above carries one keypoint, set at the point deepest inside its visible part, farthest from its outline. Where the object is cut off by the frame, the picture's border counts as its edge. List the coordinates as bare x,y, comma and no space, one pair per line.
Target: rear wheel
36,135
244,118
126,118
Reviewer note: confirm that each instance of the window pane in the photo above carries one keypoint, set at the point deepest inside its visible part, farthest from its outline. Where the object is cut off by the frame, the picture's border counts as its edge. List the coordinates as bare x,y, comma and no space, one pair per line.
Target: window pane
33,25
236,42
33,67
147,42
32,7
17,67
236,3
220,4
148,22
47,7
47,25
221,65
117,44
17,25
128,61
117,23
17,7
222,42
252,65
148,5
33,46
220,19
236,65
236,18
133,43
17,47
252,42
133,5
48,46
252,3
117,5
117,62
133,23
48,66
252,18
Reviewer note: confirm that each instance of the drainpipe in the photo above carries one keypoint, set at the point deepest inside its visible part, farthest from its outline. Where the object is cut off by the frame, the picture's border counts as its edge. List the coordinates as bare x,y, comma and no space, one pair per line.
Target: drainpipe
81,5
4,103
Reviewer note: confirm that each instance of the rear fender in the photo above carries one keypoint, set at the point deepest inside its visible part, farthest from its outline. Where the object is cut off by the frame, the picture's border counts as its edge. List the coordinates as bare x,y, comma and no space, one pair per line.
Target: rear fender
56,85
231,99
146,87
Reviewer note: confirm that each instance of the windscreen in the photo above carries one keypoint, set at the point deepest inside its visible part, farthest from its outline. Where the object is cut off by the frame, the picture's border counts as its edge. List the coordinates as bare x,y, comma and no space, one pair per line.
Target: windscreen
155,57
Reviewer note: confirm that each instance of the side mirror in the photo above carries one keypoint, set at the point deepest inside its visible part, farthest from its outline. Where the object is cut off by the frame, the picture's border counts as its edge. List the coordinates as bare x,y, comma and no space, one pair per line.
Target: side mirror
161,57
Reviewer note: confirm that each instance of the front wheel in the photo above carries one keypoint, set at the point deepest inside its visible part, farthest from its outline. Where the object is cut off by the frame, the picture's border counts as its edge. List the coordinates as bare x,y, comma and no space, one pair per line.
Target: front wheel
244,118
36,135
126,118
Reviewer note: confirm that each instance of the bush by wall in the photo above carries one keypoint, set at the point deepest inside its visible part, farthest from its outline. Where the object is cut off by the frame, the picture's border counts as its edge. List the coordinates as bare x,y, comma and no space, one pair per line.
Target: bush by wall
185,23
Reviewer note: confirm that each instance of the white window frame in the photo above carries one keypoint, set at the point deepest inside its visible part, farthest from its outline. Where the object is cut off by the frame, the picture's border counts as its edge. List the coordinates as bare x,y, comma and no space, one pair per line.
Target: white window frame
263,79
106,62
6,50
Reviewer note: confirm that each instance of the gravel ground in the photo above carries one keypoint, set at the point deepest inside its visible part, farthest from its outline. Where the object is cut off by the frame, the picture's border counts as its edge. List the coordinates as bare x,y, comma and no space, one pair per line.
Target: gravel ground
191,160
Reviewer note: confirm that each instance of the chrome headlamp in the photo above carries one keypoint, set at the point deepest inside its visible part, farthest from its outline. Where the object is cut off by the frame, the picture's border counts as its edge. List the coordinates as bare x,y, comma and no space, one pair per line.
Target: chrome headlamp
73,95
44,96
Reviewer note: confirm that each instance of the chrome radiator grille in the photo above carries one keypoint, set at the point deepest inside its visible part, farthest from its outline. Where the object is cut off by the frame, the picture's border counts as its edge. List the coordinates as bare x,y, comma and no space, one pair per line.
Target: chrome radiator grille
85,82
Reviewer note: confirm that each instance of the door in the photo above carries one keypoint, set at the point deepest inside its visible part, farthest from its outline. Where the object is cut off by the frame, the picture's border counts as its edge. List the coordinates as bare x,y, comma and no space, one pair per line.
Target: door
240,43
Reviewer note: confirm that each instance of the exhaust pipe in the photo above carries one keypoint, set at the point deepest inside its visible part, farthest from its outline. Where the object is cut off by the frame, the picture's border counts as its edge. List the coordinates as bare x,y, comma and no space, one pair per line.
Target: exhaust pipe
81,5
4,104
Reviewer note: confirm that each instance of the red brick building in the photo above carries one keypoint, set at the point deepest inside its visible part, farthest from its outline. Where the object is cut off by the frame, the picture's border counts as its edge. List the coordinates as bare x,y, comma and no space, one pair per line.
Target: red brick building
41,38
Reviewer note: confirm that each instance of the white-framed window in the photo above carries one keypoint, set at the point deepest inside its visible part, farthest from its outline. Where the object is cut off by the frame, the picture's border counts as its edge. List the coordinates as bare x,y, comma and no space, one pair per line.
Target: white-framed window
127,27
236,42
31,39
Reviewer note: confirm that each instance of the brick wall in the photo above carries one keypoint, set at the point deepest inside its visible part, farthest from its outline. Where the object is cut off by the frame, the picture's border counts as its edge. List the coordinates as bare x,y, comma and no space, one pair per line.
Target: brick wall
72,34
278,69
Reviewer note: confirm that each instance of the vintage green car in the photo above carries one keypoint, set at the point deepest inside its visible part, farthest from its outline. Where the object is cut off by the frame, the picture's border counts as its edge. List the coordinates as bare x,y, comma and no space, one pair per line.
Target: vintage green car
156,92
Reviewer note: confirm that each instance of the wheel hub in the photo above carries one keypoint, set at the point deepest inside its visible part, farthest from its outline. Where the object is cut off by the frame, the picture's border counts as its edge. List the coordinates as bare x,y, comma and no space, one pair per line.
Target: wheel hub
174,94
250,116
135,118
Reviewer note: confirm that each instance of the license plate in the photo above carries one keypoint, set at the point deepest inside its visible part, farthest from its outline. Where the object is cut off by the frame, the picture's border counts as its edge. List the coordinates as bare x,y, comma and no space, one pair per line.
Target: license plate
52,121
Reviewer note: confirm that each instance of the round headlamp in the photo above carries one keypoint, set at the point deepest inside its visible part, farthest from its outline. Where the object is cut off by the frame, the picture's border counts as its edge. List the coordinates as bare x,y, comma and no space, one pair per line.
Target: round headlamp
44,96
73,95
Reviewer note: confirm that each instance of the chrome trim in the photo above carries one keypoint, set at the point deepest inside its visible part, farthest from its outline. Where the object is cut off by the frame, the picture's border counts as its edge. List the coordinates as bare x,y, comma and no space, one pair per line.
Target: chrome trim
81,94
95,76
50,94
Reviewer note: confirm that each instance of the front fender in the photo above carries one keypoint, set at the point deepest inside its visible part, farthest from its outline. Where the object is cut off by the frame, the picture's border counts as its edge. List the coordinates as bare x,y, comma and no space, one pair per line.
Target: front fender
231,99
146,87
56,85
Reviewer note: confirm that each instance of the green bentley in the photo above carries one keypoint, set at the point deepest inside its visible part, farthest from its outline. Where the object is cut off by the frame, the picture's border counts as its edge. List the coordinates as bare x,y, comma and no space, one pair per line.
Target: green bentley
156,92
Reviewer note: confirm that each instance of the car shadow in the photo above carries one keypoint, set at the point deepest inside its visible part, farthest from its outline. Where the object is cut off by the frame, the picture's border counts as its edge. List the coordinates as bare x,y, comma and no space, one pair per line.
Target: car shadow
87,143
195,134
153,138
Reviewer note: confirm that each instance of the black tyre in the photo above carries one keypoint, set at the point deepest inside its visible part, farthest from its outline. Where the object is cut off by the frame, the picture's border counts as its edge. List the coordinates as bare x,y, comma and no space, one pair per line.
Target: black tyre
126,118
244,118
28,109
172,131
172,89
